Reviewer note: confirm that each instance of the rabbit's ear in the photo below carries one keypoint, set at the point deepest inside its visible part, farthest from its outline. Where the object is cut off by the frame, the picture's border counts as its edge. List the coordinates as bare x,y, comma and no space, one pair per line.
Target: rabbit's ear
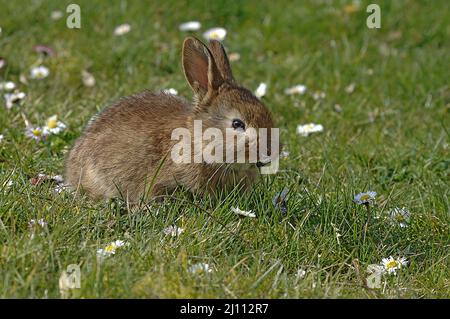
200,68
221,59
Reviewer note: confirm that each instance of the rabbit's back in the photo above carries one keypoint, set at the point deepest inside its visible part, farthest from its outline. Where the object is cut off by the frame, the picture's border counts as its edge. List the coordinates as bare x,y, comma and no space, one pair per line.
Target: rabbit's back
122,147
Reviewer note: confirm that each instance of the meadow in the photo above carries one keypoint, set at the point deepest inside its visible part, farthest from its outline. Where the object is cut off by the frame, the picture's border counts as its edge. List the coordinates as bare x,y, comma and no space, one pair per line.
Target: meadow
381,95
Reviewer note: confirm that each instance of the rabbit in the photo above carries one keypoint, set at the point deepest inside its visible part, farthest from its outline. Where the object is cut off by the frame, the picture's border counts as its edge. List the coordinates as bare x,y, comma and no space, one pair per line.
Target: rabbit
125,150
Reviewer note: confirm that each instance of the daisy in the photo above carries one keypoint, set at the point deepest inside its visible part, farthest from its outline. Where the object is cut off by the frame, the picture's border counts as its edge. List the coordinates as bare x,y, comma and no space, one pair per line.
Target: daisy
301,273
298,89
318,95
200,268
400,216
40,222
284,154
45,50
350,88
391,264
365,198
111,248
122,29
173,231
306,129
35,133
238,211
261,90
39,72
56,15
60,188
57,178
14,98
190,26
87,78
215,34
1,138
338,108
53,126
170,91
234,56
8,184
7,86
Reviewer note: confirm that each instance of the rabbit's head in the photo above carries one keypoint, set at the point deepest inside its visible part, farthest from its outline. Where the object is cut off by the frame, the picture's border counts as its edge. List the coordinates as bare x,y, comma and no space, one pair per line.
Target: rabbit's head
221,104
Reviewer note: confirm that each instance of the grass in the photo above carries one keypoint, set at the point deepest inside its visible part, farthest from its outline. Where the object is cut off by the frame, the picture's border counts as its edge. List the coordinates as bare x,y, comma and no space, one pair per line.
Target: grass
392,137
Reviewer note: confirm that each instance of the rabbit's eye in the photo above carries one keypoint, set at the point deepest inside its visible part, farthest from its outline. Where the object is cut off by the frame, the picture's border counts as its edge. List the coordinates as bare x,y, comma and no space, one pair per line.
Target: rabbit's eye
238,124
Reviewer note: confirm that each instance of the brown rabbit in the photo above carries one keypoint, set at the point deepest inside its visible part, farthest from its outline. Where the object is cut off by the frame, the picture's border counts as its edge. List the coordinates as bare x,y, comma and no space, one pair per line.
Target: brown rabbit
126,150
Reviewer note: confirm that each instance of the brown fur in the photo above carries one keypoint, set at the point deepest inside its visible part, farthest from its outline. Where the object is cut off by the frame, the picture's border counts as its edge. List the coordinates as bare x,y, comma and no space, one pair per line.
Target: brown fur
120,152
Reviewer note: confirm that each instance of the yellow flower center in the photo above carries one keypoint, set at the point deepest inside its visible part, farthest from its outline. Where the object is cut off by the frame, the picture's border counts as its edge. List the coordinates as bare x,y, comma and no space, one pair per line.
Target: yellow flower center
52,123
36,132
110,248
391,264
365,197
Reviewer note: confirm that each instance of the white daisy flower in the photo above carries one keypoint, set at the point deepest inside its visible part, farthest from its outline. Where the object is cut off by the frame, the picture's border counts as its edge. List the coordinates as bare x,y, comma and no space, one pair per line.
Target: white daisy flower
111,248
40,222
87,78
365,198
306,129
284,154
318,95
401,216
190,26
60,188
7,86
14,98
1,138
35,133
122,29
298,89
56,15
8,184
53,126
215,34
200,268
173,231
238,211
301,273
391,264
234,56
57,178
170,91
261,90
39,72
350,88
338,108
